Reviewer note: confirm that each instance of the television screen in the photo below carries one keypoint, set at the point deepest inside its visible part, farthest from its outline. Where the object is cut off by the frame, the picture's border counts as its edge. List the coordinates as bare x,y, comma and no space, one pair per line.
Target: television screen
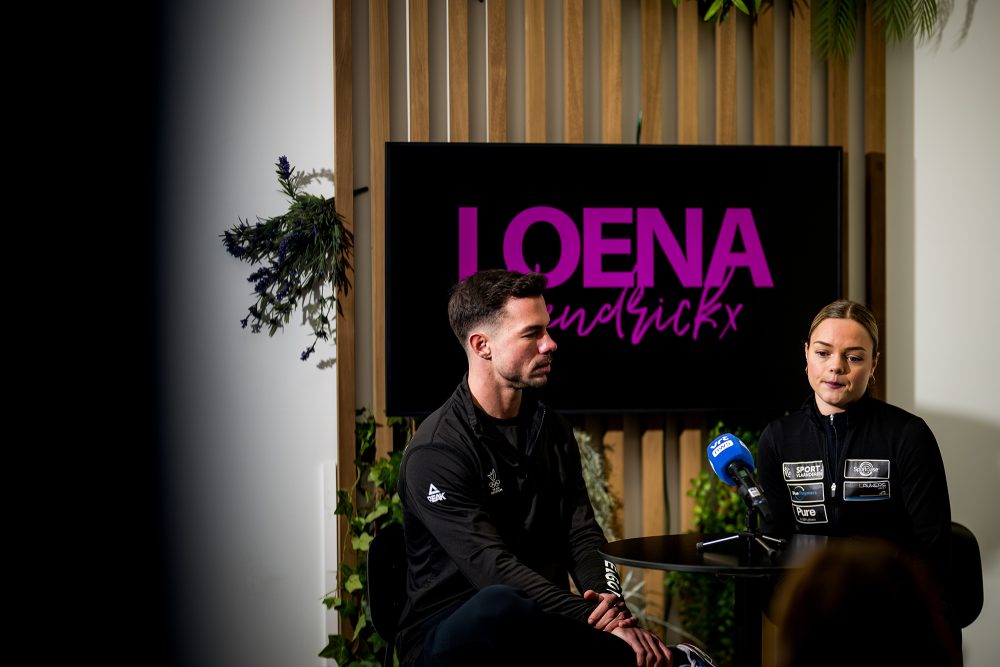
681,278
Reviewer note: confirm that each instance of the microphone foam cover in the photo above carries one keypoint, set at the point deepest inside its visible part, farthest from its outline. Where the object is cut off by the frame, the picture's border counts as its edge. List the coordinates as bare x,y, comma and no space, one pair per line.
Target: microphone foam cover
724,450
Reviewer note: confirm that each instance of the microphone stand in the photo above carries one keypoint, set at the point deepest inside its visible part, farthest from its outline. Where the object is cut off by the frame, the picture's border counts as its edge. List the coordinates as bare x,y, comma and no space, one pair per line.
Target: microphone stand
747,540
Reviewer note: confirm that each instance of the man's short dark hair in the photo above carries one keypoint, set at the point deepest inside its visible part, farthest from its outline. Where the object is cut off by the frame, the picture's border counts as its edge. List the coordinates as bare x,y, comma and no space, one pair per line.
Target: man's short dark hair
480,298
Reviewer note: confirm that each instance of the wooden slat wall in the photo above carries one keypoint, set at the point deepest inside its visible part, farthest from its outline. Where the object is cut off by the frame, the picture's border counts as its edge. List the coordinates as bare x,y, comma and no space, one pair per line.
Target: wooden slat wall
651,48
378,100
534,70
763,78
838,134
874,147
343,169
653,452
611,71
419,75
573,71
725,80
458,70
496,70
800,75
687,73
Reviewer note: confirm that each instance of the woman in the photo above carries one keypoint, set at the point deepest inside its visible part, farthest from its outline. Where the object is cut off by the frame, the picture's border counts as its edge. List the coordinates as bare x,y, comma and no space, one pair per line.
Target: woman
847,464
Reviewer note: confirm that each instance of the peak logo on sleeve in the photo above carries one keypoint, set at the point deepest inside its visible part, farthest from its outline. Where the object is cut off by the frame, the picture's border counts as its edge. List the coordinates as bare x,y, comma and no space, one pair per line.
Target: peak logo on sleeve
433,495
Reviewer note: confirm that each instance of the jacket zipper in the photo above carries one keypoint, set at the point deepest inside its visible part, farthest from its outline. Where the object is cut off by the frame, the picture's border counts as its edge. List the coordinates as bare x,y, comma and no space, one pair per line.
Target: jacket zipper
831,451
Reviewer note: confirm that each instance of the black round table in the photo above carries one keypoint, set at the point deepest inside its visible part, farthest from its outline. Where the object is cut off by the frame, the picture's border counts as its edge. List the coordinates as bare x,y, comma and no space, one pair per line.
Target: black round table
740,557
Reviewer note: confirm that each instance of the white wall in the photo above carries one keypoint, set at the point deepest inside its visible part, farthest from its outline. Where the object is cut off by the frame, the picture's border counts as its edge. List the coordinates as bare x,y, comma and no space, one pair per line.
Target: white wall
944,242
248,425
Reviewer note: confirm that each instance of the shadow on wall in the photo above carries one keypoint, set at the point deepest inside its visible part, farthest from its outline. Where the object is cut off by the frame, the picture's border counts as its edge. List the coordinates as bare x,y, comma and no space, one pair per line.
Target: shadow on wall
971,451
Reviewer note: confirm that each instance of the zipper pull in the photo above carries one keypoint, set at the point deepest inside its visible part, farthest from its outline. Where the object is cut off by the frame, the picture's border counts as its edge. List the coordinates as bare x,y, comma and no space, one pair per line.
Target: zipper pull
833,490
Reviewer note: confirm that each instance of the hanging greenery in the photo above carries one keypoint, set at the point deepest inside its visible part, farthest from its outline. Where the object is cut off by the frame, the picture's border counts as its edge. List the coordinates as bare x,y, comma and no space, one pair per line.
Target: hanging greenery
304,260
835,22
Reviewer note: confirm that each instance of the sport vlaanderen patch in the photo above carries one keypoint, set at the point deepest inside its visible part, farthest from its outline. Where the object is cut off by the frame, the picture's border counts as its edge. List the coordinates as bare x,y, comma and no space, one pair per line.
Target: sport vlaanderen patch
795,471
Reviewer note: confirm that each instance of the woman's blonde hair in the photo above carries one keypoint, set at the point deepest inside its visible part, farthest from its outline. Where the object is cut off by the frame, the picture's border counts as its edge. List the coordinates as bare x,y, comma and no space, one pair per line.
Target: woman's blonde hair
848,310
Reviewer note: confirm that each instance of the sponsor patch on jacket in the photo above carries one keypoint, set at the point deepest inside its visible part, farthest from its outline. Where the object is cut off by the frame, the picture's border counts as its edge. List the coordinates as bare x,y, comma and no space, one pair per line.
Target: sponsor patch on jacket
866,469
877,489
809,513
810,492
797,470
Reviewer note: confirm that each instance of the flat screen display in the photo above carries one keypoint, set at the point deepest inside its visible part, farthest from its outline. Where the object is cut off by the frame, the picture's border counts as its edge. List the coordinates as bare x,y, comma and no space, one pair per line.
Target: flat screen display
681,278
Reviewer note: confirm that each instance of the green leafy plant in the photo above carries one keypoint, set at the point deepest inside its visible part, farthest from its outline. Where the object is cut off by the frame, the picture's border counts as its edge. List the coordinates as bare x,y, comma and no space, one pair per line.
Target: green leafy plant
370,504
303,256
707,603
594,475
834,22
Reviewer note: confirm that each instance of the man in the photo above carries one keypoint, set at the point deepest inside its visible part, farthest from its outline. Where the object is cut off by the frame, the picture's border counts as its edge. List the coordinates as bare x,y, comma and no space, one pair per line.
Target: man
496,513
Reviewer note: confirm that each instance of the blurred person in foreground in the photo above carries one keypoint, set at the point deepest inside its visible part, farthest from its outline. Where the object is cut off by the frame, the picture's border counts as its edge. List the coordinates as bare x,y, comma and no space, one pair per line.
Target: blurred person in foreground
864,601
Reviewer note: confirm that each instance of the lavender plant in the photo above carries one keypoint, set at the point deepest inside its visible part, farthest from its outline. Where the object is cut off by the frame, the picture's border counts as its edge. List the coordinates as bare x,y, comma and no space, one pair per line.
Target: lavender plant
303,258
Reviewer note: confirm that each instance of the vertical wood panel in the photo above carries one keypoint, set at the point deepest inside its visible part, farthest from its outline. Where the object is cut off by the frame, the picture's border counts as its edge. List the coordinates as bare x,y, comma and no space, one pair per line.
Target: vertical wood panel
420,120
692,453
651,49
800,75
378,91
611,71
875,258
763,77
838,134
687,72
874,120
496,70
633,497
653,515
534,70
875,177
573,71
458,70
837,103
725,80
343,171
614,443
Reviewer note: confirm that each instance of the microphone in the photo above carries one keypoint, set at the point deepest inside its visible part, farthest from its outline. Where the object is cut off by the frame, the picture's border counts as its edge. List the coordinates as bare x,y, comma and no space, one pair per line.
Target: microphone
733,463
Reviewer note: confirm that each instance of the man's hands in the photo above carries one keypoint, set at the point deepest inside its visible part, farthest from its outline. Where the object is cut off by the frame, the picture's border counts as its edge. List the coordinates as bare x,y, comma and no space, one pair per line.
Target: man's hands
610,612
611,615
650,651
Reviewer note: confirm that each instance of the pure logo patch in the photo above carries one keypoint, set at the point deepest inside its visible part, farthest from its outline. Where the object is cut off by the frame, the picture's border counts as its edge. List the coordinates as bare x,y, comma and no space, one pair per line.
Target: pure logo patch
799,470
866,469
433,495
810,513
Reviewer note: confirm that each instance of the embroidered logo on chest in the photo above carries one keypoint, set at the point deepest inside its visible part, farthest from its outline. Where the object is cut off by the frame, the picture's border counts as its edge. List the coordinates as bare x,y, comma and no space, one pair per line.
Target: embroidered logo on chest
495,487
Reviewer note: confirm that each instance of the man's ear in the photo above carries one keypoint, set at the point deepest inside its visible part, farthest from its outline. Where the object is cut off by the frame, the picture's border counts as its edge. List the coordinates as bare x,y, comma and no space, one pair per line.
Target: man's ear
479,343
